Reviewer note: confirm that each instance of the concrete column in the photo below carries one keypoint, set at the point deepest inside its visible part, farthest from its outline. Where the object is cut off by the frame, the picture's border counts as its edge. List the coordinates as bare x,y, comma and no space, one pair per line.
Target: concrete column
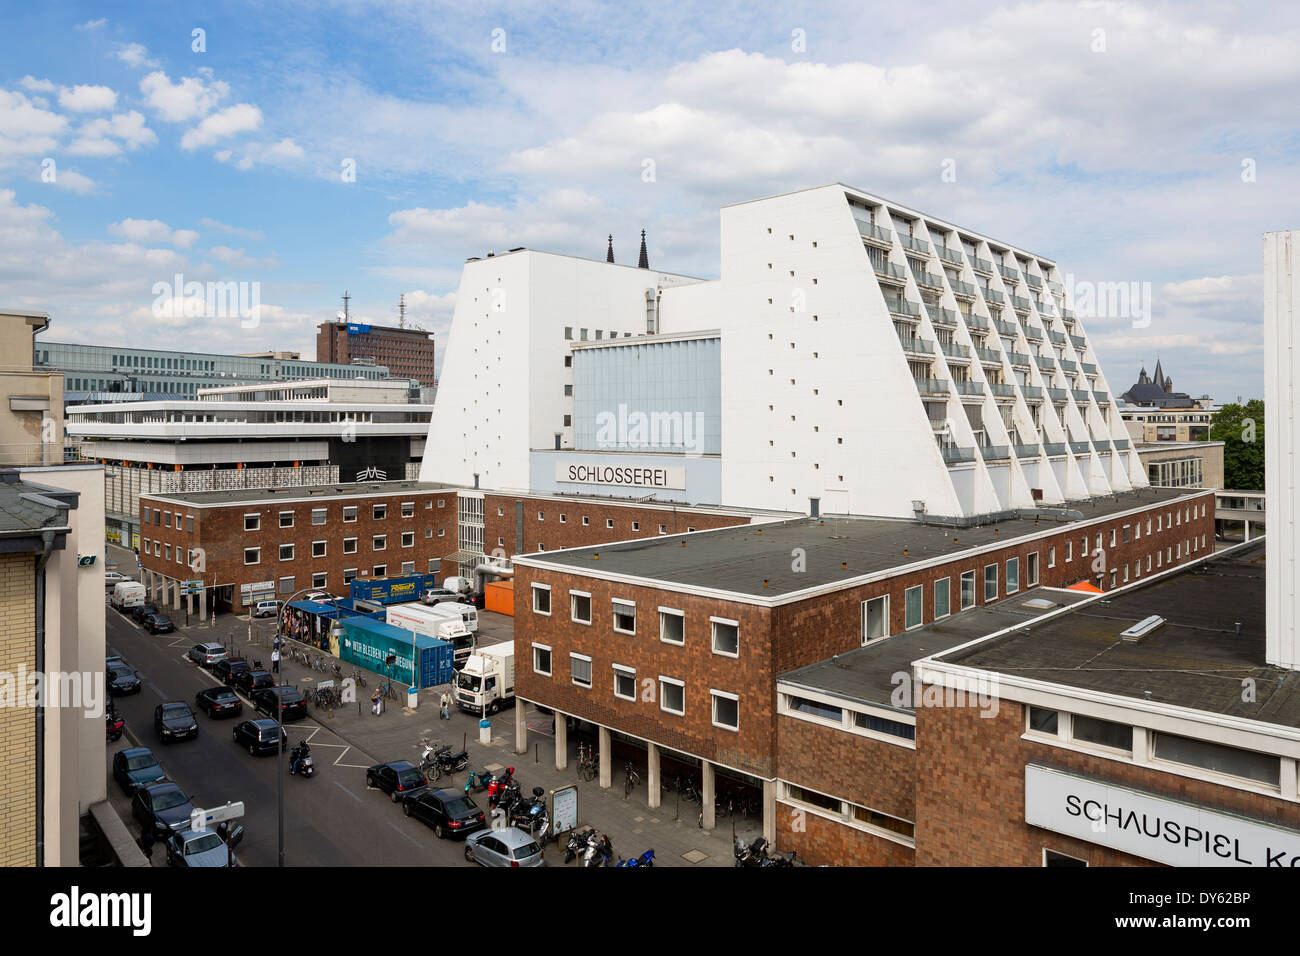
521,727
561,742
769,811
203,605
176,594
707,794
606,757
652,776
1247,523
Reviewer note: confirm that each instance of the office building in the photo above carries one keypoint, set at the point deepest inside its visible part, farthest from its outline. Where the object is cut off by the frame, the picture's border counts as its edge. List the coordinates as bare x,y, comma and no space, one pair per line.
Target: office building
407,353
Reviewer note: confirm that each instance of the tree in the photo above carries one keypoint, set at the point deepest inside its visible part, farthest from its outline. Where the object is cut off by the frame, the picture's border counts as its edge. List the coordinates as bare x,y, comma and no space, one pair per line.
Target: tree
1241,429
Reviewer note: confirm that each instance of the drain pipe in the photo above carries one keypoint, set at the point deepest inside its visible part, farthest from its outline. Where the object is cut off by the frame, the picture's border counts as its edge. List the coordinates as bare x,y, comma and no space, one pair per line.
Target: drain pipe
47,545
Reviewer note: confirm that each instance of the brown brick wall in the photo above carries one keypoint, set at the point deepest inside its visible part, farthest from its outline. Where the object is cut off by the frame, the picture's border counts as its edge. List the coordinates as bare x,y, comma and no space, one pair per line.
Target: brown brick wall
970,800
837,763
17,724
822,842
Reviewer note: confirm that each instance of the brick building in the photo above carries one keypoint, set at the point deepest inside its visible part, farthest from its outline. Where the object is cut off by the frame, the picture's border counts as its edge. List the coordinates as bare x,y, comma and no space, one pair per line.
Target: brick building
676,645
408,353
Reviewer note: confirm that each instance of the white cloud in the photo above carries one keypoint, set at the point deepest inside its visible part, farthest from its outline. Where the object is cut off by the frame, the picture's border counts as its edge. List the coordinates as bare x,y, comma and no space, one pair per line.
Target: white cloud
152,231
74,182
87,99
187,99
25,128
136,55
30,82
284,153
240,118
238,259
230,230
99,136
92,24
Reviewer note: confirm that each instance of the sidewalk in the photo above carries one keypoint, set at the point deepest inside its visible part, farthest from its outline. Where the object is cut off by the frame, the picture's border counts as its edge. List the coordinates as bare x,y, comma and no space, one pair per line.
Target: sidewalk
671,831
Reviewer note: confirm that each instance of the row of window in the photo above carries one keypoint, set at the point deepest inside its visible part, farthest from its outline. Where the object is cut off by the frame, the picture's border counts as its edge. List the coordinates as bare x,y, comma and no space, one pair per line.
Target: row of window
724,633
586,521
847,717
669,691
320,580
850,813
164,518
378,542
319,516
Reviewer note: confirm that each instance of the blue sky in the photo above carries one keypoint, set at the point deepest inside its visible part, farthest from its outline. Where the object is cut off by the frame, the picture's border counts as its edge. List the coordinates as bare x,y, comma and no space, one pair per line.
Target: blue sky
1109,136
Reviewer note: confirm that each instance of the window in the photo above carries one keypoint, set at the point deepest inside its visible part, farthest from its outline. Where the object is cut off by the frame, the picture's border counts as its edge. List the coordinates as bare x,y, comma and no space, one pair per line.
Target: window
318,516
286,519
726,637
541,516
663,529
379,512
252,522
541,599
408,539
350,513
378,542
1103,733
349,545
408,509
1112,537
624,682
672,626
286,585
672,696
1044,721
882,725
580,669
318,579
726,710
252,555
318,549
167,552
990,583
1217,758
379,570
1051,563
580,606
636,526
609,522
875,619
967,589
624,616
286,552
812,798
942,598
1053,858
912,607
1148,564
585,521
1069,551
542,657
1013,575
1126,536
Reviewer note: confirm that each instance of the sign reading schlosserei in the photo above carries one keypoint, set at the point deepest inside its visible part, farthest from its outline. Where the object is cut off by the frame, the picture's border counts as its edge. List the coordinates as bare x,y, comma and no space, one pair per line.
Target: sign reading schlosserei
1167,831
627,476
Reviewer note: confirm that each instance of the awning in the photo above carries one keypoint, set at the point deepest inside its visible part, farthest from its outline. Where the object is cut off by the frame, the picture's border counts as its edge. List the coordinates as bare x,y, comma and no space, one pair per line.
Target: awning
1086,588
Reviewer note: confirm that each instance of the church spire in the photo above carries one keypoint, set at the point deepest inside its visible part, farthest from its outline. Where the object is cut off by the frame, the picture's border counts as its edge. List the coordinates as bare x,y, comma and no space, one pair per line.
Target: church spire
644,261
609,254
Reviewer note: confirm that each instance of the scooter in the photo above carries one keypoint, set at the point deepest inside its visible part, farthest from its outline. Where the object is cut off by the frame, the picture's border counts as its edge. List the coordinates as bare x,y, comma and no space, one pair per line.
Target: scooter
645,859
592,855
577,840
113,725
479,780
300,760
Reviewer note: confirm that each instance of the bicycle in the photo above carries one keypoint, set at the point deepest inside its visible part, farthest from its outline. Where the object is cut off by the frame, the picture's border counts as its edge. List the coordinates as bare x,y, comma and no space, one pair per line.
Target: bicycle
630,779
588,762
687,789
358,677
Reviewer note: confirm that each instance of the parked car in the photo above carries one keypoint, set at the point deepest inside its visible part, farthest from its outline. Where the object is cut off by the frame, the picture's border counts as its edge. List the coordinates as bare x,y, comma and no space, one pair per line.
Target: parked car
164,806
266,608
114,577
433,596
259,736
507,847
140,610
320,596
157,624
228,670
292,706
136,767
174,720
400,779
207,653
450,812
251,681
202,848
122,680
219,702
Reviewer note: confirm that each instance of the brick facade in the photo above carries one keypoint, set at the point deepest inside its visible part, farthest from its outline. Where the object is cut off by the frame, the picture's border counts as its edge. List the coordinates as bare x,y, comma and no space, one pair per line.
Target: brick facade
822,842
17,724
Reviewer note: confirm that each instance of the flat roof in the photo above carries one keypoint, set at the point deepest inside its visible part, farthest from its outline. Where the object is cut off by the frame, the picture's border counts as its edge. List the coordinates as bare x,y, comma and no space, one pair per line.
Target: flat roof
207,499
1196,660
740,559
868,674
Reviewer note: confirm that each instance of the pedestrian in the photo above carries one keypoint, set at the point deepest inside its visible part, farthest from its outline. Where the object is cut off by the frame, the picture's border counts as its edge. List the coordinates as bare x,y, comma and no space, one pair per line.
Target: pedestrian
146,841
376,702
445,712
275,661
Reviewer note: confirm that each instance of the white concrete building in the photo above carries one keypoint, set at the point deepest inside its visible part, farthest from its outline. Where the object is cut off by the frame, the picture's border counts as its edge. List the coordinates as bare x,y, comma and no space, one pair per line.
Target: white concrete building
855,356
1282,433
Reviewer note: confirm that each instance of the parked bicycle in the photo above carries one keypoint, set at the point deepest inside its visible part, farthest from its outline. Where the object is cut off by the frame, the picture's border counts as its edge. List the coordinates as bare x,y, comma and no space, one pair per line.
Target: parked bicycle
588,762
630,779
358,677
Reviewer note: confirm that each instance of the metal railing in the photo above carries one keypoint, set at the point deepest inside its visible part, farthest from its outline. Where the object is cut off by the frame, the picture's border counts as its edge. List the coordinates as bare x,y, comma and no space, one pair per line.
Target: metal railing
943,317
1067,313
32,454
869,230
996,452
1081,395
1032,391
1079,341
1121,444
1102,445
902,306
926,278
993,295
1056,338
976,322
962,288
1080,447
891,270
931,386
1069,366
1026,451
1033,280
988,355
1056,287
953,350
911,242
1033,333
981,265
1020,305
1018,358
1008,273
1006,328
1045,362
1088,367
1054,448
952,255
969,388
1003,389
914,344
1102,398
953,455
1057,394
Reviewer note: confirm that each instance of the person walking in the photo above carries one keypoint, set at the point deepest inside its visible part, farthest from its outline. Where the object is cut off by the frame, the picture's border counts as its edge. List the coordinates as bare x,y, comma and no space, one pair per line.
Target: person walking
275,661
444,713
376,702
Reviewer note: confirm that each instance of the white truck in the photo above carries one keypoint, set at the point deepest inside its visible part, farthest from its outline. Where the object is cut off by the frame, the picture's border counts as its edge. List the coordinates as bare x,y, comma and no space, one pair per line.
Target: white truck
487,681
467,614
127,594
425,620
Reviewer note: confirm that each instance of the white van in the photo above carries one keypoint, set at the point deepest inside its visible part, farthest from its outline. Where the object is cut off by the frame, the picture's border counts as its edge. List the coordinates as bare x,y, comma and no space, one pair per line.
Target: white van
467,614
127,594
266,609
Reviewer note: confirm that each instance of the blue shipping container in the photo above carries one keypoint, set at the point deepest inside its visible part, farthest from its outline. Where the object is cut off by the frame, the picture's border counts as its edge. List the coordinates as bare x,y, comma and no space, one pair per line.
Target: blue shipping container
367,643
394,590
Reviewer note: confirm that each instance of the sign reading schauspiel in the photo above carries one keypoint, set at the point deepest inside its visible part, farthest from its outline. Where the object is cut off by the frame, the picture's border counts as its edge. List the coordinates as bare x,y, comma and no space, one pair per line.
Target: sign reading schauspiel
629,476
1151,827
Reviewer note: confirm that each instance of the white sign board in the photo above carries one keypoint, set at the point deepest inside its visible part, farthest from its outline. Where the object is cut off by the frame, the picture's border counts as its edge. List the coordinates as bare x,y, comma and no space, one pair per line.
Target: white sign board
1167,831
259,586
623,476
564,809
200,818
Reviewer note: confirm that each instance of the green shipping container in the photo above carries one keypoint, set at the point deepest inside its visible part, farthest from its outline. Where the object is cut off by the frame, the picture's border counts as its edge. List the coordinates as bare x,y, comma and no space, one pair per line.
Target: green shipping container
367,643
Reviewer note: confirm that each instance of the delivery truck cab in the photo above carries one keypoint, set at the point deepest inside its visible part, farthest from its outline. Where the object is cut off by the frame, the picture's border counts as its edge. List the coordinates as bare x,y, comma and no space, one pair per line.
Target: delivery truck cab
487,681
467,614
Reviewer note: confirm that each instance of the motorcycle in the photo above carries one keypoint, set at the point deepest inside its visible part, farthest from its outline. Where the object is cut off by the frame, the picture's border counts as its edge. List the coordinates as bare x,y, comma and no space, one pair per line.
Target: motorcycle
750,854
526,814
592,855
577,840
434,763
479,780
300,760
113,725
507,796
645,859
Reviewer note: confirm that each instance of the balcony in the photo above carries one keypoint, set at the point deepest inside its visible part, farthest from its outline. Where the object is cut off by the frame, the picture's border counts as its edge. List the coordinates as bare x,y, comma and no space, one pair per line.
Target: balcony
1079,341
1121,444
1057,394
891,272
1069,366
1081,396
951,255
1020,305
954,351
873,233
1056,287
1010,274
1102,398
1068,314
902,306
1026,451
1019,359
1054,448
1046,364
976,322
943,318
924,276
916,245
969,388
988,356
1033,333
1002,389
1088,368
953,455
916,346
1005,328
964,289
1080,447
981,265
1102,445
1032,391
931,387
996,452
994,296
1056,338
1033,280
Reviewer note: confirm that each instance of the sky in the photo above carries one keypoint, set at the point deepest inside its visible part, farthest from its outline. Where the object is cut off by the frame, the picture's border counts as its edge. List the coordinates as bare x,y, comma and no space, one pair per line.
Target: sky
373,147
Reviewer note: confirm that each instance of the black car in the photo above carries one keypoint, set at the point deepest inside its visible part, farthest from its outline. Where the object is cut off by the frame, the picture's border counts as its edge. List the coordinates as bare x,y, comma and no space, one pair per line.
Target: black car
292,706
122,680
164,805
400,779
250,681
219,702
449,812
136,767
226,671
259,736
140,610
157,623
174,720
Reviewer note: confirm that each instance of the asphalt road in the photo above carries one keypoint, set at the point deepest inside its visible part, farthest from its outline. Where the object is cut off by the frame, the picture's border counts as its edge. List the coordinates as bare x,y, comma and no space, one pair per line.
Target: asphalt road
330,820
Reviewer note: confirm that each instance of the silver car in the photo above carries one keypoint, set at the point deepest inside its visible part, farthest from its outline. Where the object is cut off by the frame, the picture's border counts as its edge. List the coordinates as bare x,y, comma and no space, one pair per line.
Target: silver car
207,653
506,847
202,848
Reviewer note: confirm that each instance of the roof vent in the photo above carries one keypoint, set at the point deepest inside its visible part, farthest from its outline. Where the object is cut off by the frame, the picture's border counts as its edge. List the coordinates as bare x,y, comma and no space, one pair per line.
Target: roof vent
1142,628
1040,604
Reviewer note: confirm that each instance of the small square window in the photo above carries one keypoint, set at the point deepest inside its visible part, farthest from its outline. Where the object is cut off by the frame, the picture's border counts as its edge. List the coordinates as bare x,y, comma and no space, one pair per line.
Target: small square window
726,637
379,512
318,516
726,710
378,542
580,670
349,545
672,626
541,601
580,607
672,696
624,682
252,522
636,526
286,519
252,555
408,539
350,513
379,570
542,660
624,617
318,549
408,509
609,522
